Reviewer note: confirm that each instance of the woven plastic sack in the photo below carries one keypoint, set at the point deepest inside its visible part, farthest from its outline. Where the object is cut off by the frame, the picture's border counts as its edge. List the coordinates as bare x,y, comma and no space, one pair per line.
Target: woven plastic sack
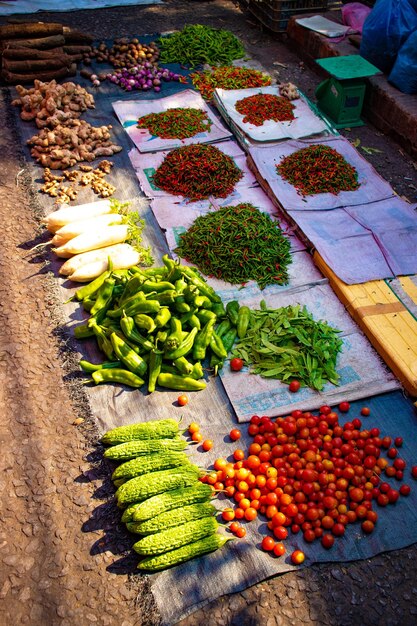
404,73
386,29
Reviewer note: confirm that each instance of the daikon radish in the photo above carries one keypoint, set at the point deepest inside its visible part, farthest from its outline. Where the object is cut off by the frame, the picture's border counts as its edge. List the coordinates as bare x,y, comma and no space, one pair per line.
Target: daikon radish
67,214
69,231
77,261
123,257
106,236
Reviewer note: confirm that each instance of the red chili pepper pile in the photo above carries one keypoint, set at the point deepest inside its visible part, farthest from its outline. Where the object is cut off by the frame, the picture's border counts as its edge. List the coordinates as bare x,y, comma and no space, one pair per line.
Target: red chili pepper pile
228,78
197,172
318,169
261,107
177,123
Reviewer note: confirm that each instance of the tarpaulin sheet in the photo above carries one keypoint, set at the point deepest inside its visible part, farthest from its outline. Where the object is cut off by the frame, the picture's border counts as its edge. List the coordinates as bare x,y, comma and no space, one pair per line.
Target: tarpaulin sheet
364,242
372,186
129,111
305,121
33,6
145,166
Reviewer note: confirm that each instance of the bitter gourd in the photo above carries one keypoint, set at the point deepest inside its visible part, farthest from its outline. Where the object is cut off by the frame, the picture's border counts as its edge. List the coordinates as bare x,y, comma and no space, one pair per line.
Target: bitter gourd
132,449
155,429
148,485
180,555
169,519
172,538
152,507
153,462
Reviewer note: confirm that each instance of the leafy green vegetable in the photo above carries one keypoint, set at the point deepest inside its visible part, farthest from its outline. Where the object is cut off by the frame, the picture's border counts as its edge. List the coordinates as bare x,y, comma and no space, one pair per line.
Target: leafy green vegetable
287,343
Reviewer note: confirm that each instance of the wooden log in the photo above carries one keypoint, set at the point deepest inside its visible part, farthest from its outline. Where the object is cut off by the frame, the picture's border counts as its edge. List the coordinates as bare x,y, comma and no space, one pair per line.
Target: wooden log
31,30
17,79
42,43
73,36
37,65
30,53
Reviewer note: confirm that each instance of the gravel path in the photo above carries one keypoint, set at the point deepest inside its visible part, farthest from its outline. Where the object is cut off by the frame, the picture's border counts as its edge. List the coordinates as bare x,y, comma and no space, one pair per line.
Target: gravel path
60,564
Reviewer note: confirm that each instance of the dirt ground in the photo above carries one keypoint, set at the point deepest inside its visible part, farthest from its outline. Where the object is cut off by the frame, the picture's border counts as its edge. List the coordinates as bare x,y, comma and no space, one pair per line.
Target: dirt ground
55,566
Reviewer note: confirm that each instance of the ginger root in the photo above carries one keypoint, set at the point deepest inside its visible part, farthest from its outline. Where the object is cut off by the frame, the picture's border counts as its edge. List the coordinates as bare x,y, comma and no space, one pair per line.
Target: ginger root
289,91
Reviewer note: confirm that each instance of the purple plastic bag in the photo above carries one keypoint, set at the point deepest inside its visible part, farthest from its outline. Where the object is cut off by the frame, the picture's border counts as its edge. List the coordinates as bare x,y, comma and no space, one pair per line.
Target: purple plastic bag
354,15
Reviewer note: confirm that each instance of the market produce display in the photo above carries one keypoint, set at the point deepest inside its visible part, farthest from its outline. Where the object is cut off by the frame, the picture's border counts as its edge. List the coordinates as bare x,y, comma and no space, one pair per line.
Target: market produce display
162,497
307,474
197,172
95,236
156,324
318,169
63,187
196,44
262,107
176,123
228,78
238,244
40,50
287,343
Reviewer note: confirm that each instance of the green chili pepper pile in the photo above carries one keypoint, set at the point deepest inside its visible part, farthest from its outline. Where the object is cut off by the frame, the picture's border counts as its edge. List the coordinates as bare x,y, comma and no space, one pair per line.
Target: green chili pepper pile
196,44
228,78
287,343
261,107
177,123
156,325
318,169
197,172
238,244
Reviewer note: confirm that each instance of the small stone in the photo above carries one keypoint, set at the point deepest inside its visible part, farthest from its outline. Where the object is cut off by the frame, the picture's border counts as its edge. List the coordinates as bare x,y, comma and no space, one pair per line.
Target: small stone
336,573
24,595
78,421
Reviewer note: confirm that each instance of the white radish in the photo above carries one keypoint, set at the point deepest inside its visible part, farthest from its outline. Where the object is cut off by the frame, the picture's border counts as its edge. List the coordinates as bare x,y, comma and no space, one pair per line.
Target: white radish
77,261
67,214
106,236
69,231
122,259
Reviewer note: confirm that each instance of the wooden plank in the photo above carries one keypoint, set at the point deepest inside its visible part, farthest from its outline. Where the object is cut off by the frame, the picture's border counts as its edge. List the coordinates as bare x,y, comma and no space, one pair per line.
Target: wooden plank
387,323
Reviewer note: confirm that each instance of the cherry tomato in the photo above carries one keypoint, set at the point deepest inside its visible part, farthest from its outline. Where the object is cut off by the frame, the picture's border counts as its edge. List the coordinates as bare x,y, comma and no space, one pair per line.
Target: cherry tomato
268,543
414,472
197,436
234,526
294,386
240,532
398,441
298,557
344,407
207,445
327,541
228,515
405,490
367,526
279,549
365,411
235,434
193,428
236,364
182,400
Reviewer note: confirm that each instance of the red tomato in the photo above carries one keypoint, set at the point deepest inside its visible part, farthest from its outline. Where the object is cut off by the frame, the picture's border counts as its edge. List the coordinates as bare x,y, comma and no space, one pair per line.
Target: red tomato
235,434
398,441
234,526
294,386
327,541
405,490
236,364
240,532
365,411
344,407
182,400
207,445
414,472
268,544
298,557
279,549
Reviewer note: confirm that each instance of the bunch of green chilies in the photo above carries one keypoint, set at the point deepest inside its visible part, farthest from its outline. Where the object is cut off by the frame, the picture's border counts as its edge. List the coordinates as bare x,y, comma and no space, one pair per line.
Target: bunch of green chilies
228,78
318,169
261,107
197,172
176,123
238,244
197,44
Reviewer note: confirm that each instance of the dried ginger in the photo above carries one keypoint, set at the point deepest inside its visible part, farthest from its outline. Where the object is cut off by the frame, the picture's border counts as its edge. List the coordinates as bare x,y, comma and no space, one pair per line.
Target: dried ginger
85,175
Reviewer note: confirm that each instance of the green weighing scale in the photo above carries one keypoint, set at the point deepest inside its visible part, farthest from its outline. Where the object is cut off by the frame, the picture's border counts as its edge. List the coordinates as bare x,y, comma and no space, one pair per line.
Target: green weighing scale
340,97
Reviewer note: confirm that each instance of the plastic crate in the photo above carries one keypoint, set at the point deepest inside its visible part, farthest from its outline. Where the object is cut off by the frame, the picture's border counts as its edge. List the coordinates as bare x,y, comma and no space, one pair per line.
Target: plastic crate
274,14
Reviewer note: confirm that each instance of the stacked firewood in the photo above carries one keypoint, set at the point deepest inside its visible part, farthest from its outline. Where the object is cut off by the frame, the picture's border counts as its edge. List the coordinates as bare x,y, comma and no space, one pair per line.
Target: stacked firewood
40,50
